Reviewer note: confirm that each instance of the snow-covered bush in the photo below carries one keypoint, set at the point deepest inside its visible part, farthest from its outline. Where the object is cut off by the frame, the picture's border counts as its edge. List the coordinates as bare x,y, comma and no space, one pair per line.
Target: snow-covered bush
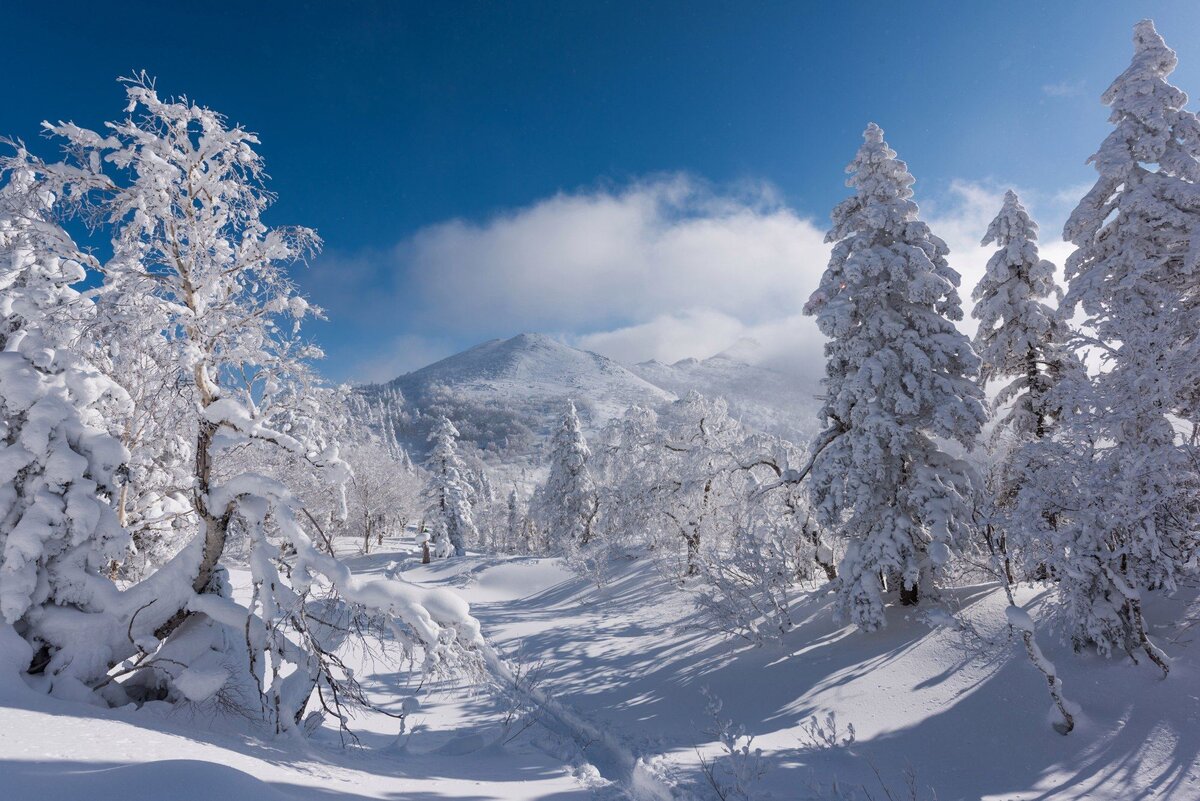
734,774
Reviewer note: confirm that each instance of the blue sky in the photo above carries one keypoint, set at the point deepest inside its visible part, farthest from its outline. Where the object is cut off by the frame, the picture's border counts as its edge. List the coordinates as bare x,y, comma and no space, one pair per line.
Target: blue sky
643,179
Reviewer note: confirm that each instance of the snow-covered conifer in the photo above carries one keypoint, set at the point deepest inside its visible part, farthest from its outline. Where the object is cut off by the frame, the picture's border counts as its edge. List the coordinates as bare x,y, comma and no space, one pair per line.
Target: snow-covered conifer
1019,336
451,513
58,529
514,525
566,505
1134,275
899,378
1021,341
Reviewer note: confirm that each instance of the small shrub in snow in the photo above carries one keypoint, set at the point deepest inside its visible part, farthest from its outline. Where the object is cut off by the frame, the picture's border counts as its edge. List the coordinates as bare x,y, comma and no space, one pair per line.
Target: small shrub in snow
820,734
734,774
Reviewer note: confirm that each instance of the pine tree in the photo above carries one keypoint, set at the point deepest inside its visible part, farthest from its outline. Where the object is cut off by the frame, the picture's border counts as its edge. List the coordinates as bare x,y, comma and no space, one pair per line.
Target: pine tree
566,504
453,523
899,377
1134,276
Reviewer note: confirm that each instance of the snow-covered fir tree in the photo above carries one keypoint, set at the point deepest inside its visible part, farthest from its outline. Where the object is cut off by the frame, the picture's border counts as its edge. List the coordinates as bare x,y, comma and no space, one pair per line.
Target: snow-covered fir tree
58,528
1134,275
566,505
451,516
899,378
1022,342
515,527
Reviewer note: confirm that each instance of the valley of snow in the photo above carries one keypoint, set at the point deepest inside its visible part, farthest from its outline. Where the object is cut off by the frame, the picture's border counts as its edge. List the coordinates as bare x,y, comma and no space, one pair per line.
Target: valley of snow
955,709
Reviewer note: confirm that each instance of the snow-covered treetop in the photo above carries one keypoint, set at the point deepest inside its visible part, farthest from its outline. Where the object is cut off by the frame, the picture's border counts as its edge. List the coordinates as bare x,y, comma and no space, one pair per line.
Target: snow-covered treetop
1152,126
1155,142
1013,320
569,438
443,431
889,287
186,200
1137,249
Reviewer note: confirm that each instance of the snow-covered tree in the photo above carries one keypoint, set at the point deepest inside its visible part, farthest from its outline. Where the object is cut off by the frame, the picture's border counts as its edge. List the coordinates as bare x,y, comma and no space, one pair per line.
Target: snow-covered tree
566,505
516,526
899,378
182,194
1020,337
1134,275
185,200
1021,341
58,464
451,516
703,497
382,494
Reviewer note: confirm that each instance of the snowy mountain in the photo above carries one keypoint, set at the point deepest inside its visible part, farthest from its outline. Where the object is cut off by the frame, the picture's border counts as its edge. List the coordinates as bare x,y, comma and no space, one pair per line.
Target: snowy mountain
762,398
504,395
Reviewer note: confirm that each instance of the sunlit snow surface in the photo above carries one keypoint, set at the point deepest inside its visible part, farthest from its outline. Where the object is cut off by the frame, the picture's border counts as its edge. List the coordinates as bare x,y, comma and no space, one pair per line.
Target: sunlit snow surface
960,709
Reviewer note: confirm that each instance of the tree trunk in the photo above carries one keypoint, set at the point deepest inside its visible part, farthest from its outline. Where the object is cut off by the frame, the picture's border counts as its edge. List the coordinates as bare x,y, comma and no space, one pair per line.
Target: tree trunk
216,527
821,554
909,596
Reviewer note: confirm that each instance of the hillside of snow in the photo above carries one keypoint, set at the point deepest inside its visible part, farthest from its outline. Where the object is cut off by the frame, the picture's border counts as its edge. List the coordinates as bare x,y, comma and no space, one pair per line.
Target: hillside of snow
951,709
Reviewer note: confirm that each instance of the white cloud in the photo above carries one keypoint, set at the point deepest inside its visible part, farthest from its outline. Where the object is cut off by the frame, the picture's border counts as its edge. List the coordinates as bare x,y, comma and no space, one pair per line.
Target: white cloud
577,261
1063,89
665,268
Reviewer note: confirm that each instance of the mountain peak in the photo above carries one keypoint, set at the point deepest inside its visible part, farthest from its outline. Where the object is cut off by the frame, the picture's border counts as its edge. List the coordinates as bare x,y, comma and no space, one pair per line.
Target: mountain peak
746,350
512,391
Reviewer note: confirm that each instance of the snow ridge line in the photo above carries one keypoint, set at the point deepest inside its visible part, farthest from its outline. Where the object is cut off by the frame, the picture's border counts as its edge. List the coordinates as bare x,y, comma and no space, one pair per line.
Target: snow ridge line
614,761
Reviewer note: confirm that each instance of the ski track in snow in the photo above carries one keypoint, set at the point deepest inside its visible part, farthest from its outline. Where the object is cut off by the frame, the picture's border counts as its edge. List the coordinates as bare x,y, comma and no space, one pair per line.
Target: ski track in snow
619,678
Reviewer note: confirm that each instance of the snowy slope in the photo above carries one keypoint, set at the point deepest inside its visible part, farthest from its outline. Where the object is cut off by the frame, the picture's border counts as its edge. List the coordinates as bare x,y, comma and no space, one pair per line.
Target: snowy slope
957,708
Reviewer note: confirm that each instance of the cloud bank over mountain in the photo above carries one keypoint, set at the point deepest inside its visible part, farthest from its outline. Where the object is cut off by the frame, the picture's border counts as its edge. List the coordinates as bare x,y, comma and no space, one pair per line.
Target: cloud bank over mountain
665,268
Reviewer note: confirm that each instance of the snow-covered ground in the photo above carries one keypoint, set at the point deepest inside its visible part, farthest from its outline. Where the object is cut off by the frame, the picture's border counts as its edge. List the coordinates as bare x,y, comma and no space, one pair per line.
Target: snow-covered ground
955,709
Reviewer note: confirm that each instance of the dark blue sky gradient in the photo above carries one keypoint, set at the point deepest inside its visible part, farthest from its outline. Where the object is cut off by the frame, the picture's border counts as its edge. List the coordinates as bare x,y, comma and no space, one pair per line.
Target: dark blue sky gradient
378,118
